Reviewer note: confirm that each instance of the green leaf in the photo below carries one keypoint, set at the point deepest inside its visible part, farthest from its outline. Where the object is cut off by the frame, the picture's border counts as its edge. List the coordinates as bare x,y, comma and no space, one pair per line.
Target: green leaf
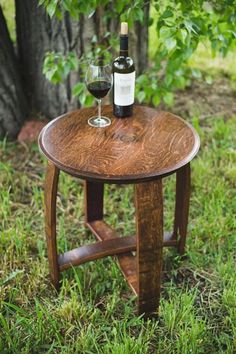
82,98
207,6
183,34
170,22
167,13
223,26
196,73
66,5
165,32
156,100
221,37
169,98
73,61
139,15
179,82
150,21
170,44
78,88
51,8
209,79
168,79
58,14
66,68
142,79
141,96
190,26
92,13
55,78
119,5
89,100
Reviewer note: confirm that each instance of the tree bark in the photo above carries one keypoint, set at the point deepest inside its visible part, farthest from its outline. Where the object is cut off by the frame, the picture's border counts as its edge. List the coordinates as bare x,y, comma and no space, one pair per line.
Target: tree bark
13,106
36,35
141,43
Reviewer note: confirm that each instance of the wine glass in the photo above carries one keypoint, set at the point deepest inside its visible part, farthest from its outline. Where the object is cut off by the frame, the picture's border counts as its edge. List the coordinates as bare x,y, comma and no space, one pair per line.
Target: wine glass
99,82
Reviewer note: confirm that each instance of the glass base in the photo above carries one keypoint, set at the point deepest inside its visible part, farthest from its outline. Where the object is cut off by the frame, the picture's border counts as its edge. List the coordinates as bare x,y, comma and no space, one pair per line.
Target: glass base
99,122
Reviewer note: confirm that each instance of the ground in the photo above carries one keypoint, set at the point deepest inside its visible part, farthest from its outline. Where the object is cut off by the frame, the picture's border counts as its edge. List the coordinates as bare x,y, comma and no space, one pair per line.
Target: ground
95,310
204,101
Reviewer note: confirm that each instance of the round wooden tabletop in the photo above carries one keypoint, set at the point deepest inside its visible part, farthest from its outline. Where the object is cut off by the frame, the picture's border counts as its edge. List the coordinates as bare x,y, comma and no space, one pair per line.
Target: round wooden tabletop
142,147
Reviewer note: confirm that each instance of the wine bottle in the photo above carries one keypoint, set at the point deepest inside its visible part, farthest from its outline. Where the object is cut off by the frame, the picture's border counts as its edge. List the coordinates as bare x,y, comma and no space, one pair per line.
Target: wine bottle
123,78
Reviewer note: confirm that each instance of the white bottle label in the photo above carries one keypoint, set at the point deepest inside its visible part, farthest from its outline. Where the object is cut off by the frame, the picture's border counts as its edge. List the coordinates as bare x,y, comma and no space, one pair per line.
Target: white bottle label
124,85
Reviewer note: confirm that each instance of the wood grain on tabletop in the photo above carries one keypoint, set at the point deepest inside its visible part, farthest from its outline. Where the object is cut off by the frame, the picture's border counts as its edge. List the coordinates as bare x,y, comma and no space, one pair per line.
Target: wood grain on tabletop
146,145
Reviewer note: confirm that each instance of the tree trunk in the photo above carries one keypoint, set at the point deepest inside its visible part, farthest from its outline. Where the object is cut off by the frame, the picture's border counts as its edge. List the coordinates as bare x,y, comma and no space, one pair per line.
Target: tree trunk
36,35
141,42
13,106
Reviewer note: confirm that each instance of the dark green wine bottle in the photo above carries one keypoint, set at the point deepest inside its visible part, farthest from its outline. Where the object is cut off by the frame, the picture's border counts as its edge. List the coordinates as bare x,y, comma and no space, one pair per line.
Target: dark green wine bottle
123,78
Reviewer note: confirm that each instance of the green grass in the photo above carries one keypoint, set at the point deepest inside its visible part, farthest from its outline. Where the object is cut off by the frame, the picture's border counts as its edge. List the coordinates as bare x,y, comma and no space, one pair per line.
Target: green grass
95,310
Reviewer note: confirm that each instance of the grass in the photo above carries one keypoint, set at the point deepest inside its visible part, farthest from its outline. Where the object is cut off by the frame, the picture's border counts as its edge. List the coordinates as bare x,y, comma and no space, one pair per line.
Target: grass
216,65
95,310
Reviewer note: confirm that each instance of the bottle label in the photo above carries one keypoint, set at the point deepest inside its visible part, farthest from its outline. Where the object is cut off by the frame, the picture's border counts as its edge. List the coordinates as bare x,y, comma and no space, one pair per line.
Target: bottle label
124,85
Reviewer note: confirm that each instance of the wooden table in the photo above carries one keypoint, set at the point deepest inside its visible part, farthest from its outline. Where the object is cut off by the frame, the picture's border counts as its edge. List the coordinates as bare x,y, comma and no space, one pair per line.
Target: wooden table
138,150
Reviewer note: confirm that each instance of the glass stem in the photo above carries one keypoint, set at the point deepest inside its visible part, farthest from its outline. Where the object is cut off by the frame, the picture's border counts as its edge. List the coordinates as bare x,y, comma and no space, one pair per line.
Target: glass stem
99,108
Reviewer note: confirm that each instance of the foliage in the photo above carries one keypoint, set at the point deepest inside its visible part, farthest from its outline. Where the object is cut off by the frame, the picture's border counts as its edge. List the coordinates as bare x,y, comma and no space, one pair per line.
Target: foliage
127,11
180,26
58,66
94,311
8,7
74,7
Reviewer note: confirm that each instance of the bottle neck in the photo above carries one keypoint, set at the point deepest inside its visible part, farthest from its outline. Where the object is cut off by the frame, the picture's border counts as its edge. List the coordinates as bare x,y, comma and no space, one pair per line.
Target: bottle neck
124,45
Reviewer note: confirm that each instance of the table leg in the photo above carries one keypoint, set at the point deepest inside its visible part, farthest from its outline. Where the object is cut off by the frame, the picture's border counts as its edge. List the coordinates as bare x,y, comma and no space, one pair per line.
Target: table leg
93,193
50,195
149,222
183,181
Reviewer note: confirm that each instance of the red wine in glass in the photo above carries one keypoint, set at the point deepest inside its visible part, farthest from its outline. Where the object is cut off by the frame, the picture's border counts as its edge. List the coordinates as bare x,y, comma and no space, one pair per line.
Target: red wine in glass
99,89
99,82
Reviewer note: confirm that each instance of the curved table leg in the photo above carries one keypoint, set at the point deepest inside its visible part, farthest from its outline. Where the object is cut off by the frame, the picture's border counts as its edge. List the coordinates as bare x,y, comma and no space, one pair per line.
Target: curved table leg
183,181
149,223
50,195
